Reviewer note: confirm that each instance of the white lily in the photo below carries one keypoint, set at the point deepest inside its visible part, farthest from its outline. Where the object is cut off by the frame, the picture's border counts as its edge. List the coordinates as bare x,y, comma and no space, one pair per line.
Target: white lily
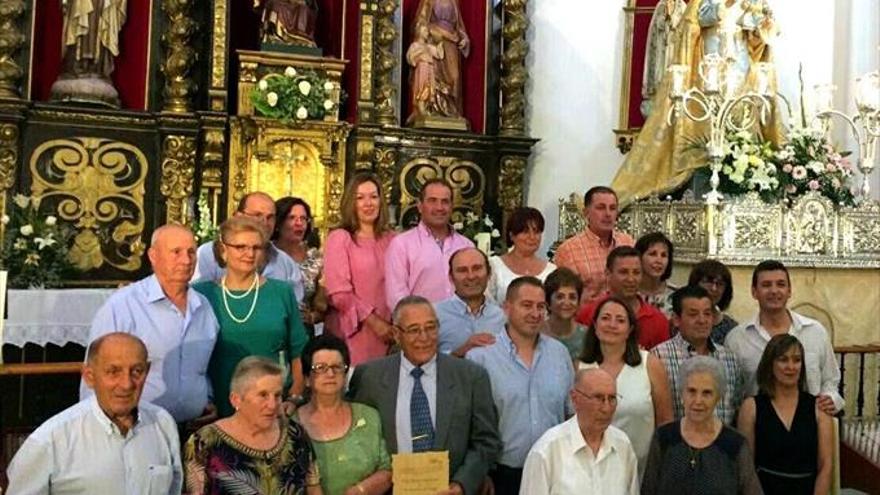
290,72
487,221
328,104
43,243
21,200
305,87
26,230
328,86
458,226
51,220
272,99
302,113
263,85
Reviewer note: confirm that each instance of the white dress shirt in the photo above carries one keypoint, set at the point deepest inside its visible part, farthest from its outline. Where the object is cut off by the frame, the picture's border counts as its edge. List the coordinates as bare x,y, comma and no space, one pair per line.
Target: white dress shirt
748,340
80,451
562,463
404,396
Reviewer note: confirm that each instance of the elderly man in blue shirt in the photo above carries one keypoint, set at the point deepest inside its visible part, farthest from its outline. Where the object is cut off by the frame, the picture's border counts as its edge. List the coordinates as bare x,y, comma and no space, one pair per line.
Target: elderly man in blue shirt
260,207
176,324
531,375
107,443
468,319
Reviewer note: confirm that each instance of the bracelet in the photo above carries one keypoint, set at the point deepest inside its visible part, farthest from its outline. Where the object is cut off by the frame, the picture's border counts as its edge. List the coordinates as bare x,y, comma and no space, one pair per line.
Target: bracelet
360,489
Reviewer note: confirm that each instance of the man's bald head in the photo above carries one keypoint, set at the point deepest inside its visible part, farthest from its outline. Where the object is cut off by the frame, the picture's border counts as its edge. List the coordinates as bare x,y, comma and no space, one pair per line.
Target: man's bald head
172,255
593,379
114,340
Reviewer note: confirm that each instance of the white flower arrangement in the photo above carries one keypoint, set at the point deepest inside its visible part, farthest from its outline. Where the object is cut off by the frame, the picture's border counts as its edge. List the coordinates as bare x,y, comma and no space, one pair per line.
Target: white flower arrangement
472,226
35,247
295,95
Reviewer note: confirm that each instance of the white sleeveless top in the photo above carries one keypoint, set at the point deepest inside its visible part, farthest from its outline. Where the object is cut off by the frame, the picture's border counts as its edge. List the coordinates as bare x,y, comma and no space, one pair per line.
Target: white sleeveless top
635,409
502,276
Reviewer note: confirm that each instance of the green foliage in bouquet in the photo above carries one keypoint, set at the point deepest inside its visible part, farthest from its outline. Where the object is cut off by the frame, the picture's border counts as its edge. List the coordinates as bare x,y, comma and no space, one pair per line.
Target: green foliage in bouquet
34,246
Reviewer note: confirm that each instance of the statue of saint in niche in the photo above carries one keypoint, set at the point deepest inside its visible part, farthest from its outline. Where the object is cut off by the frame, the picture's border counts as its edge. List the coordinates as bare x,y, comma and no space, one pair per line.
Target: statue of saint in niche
90,43
288,22
439,44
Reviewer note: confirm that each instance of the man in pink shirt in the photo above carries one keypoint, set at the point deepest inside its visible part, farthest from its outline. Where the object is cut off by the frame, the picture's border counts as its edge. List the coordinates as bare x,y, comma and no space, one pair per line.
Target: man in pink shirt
417,261
624,274
585,253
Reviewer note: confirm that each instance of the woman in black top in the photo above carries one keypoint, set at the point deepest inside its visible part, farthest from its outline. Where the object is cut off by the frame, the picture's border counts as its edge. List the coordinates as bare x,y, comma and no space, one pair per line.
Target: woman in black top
791,437
699,455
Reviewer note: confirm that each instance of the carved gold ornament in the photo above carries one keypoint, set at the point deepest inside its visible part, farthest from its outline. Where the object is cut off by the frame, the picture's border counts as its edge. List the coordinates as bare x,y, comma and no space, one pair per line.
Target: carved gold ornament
97,186
178,172
467,180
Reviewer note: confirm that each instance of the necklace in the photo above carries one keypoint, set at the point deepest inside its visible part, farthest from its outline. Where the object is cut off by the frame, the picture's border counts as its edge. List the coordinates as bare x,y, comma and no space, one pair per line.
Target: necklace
226,292
694,456
246,293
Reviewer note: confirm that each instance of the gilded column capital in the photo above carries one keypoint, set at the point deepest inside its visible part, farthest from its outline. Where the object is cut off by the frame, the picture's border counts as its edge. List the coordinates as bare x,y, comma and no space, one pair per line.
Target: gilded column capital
513,68
180,55
11,41
178,172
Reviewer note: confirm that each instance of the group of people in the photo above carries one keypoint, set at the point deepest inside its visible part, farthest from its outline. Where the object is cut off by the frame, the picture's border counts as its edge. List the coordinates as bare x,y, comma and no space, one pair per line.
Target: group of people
588,374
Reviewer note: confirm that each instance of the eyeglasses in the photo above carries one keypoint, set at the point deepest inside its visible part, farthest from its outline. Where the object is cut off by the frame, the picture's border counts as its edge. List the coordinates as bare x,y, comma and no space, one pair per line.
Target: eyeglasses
323,369
269,217
256,248
299,219
412,332
600,398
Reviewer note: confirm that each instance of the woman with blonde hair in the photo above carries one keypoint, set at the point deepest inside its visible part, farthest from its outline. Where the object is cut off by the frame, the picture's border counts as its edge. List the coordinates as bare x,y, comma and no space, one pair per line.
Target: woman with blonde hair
257,315
354,268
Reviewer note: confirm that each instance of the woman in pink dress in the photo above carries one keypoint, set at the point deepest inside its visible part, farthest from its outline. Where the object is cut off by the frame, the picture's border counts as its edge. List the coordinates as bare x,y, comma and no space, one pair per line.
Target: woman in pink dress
354,268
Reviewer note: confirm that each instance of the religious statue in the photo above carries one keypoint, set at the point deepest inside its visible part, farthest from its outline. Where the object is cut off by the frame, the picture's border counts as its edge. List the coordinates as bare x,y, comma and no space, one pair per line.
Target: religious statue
90,43
288,22
658,53
430,94
665,155
439,43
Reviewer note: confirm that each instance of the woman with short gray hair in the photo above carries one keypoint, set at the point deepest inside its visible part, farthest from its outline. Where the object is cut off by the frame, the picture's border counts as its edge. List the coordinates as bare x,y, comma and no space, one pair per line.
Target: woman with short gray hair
698,453
255,447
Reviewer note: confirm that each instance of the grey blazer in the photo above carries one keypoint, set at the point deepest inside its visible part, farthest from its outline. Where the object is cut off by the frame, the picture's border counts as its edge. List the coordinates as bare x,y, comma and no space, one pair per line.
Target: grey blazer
466,423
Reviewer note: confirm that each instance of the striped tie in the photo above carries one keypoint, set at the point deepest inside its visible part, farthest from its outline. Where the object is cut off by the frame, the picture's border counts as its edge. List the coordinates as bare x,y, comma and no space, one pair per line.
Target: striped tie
422,428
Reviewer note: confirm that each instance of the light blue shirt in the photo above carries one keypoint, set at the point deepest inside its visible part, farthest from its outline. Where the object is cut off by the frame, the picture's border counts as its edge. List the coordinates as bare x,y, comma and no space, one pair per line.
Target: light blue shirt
279,266
529,400
179,344
80,450
457,323
404,396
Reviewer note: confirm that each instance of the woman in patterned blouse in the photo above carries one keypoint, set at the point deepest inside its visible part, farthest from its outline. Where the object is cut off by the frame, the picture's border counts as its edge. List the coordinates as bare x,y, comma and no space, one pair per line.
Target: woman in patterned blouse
254,450
294,234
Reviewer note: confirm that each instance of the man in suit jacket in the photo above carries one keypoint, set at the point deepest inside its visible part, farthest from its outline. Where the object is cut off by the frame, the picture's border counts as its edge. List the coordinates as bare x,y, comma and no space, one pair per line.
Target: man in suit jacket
463,419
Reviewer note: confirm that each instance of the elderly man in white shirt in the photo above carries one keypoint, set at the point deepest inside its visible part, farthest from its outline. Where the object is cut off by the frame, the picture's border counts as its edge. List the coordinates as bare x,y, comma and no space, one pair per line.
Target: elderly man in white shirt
771,287
108,442
584,454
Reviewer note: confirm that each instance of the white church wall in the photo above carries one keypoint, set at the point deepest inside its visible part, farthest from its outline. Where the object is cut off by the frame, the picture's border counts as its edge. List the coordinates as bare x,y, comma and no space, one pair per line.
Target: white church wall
575,70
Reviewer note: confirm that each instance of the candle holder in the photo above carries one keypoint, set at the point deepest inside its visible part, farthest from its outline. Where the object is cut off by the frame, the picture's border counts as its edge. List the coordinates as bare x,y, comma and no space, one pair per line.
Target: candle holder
864,124
722,105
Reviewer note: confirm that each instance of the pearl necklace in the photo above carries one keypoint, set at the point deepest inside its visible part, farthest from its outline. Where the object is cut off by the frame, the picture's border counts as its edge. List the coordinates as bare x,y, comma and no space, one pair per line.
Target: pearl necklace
226,292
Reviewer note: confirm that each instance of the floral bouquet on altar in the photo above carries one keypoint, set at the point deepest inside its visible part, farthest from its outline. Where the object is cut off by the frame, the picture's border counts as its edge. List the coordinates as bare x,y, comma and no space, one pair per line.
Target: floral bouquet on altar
481,231
205,228
747,166
34,246
808,162
294,95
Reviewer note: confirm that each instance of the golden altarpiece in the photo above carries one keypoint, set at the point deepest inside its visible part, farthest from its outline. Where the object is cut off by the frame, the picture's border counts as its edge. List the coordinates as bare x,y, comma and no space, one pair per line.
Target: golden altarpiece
187,127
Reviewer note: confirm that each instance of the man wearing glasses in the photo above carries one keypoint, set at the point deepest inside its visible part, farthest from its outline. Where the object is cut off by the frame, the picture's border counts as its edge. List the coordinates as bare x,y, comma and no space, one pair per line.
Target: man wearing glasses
586,454
260,207
408,387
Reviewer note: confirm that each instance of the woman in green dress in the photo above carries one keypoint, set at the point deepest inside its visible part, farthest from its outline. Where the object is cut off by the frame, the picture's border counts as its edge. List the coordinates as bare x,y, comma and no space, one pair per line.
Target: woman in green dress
257,315
346,436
